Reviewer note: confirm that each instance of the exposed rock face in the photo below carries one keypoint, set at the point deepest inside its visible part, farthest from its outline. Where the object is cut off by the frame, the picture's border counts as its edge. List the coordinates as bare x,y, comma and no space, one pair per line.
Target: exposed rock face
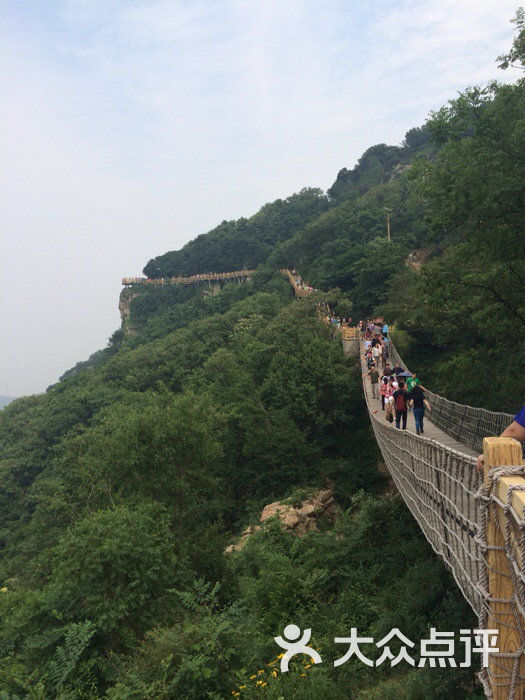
400,168
297,519
124,303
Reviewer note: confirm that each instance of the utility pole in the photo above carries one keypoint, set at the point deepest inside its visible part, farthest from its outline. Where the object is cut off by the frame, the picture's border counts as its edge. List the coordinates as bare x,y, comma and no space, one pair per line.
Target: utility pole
388,222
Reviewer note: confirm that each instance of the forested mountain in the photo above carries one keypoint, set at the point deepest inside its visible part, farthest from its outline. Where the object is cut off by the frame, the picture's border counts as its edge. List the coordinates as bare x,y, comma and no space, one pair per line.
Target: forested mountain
244,243
123,484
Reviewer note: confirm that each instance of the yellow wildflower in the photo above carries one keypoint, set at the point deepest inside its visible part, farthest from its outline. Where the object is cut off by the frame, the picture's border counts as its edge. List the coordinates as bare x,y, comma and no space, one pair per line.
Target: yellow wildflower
3,589
254,676
274,674
259,683
261,671
308,665
262,685
303,674
281,656
242,687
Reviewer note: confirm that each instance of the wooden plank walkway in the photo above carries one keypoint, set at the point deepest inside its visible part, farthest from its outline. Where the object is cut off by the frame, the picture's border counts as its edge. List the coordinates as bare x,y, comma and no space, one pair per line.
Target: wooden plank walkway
430,430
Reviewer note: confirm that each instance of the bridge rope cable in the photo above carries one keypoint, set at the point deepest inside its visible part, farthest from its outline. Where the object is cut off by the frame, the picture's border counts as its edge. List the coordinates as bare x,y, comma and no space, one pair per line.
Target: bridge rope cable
439,486
447,497
445,493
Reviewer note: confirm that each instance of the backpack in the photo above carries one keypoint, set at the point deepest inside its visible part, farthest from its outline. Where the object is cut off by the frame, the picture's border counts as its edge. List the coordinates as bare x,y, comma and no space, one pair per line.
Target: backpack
401,404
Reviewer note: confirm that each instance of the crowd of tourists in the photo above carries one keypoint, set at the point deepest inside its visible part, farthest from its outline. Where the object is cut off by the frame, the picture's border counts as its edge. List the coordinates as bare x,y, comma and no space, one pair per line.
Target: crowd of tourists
399,390
339,321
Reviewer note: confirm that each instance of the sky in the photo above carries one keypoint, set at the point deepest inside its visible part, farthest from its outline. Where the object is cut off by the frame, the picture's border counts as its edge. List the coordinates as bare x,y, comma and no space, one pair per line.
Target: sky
128,127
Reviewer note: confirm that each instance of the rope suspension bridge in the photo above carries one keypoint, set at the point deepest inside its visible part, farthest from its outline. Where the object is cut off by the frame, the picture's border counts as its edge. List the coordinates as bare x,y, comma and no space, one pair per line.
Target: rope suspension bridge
475,522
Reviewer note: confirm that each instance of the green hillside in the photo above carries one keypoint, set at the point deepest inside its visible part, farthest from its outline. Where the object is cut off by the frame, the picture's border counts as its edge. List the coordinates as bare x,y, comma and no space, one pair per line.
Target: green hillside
123,484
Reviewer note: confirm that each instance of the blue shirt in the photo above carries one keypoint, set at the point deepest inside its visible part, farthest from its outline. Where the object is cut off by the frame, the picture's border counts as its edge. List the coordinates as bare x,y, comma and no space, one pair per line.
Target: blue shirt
520,417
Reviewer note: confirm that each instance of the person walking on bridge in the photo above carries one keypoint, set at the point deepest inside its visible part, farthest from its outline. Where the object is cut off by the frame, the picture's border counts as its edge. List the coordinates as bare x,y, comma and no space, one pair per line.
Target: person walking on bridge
383,388
374,379
413,381
419,402
376,354
384,353
389,399
401,399
398,369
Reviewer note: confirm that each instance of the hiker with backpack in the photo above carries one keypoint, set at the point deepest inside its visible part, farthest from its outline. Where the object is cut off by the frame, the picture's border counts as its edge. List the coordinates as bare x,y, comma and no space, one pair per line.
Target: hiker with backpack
401,401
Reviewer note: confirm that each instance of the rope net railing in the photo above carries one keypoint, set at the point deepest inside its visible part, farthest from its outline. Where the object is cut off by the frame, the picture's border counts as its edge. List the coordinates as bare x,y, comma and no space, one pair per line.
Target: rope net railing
466,424
474,522
477,526
440,487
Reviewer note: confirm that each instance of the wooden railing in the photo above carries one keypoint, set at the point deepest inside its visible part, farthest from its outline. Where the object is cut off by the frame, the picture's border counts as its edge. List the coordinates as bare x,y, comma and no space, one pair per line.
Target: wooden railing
349,333
192,279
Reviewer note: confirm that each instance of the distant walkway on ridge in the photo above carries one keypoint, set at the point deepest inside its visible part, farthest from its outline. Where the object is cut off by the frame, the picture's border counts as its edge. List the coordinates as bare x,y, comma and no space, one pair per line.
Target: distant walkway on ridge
238,275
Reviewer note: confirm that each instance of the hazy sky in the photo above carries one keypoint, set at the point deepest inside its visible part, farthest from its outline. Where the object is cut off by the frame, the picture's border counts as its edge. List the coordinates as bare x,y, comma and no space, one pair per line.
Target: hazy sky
129,127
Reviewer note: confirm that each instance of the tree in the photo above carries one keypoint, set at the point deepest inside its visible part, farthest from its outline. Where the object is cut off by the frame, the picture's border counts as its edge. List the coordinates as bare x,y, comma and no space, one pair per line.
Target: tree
515,58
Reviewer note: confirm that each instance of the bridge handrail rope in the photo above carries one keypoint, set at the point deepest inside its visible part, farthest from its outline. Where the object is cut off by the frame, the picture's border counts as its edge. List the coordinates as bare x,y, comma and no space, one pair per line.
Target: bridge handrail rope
477,526
439,486
466,424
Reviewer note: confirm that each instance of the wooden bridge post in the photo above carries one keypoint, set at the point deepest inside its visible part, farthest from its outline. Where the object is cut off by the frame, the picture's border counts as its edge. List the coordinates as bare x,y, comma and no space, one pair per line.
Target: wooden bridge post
504,529
351,341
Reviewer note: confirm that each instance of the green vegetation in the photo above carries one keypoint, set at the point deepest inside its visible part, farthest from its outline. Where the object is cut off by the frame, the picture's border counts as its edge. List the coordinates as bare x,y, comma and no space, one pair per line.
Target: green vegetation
123,484
244,243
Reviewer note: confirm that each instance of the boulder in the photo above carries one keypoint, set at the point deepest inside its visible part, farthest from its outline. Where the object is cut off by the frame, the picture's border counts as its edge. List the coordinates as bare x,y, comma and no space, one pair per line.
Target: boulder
299,519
